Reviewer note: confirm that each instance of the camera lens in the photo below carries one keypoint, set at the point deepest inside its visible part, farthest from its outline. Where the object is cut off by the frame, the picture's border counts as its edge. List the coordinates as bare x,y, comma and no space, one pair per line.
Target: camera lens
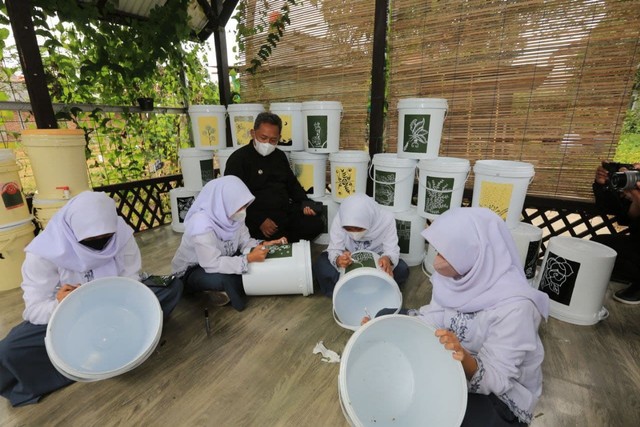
624,180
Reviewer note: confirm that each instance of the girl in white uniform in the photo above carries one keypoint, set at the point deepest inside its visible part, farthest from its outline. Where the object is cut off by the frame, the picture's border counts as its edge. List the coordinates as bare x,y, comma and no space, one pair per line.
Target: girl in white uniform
84,240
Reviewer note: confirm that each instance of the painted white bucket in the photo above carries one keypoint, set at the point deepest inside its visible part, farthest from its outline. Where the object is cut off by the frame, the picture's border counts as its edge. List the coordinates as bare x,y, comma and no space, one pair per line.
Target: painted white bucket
362,292
242,118
58,161
197,167
348,173
311,171
412,245
292,135
104,328
287,270
329,211
362,259
441,185
393,180
223,155
45,209
321,126
427,265
13,240
528,239
575,274
208,125
394,371
420,122
13,210
181,201
501,185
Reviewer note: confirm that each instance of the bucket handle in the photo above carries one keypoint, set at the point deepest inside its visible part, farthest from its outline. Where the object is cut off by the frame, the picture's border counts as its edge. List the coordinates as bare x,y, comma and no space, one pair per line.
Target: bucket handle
335,317
446,191
603,313
390,182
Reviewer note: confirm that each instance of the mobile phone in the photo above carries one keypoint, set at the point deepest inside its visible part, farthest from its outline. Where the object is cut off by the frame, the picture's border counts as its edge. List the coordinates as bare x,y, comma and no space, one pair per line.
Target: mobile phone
159,281
316,206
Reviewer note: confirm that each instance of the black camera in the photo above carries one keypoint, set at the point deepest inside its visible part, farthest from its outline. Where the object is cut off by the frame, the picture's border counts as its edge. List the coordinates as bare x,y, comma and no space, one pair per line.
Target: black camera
626,180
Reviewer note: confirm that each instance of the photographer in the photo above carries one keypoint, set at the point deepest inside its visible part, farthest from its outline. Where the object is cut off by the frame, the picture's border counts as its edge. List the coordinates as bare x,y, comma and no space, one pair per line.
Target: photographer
619,195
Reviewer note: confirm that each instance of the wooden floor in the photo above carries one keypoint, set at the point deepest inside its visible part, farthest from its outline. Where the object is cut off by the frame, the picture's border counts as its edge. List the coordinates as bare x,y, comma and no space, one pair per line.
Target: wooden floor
257,368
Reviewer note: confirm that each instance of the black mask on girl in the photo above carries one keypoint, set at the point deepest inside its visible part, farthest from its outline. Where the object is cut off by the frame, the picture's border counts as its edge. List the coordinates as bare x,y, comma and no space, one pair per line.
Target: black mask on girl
97,244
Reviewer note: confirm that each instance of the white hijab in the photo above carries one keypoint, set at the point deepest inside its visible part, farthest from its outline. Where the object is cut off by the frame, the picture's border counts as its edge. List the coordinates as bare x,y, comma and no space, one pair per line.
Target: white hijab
212,209
360,210
478,245
88,214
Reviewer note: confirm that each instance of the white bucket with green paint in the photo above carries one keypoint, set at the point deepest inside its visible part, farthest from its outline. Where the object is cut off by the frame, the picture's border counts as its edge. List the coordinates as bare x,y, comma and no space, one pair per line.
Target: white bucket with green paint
197,167
208,126
181,200
501,185
311,171
292,134
528,239
420,122
241,119
409,225
393,180
348,173
441,185
321,122
329,211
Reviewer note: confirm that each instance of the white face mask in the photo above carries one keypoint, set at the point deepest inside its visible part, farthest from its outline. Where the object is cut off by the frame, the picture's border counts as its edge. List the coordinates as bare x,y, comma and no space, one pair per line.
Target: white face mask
239,216
357,235
264,148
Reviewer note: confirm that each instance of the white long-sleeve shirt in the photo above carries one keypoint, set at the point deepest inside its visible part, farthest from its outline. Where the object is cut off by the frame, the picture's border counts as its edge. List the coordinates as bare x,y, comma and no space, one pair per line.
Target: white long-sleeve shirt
213,254
505,342
41,280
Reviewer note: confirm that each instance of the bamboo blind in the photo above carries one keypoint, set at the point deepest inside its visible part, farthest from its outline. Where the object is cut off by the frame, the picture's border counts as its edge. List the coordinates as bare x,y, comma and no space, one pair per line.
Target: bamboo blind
324,55
546,82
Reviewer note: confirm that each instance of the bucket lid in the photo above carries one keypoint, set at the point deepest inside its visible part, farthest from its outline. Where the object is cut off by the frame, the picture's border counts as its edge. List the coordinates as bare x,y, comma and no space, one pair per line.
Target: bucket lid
525,229
182,191
349,156
392,160
207,109
195,152
295,106
104,328
245,107
364,288
304,155
581,246
7,154
321,105
423,103
504,168
394,370
445,164
52,132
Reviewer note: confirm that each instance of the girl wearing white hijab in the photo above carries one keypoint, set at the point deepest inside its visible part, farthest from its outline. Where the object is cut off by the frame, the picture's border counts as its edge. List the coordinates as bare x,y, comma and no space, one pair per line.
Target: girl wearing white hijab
210,254
485,311
360,224
84,240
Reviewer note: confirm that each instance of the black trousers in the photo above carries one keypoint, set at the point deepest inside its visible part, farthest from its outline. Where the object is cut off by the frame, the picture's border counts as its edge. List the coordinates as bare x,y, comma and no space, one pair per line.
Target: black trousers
627,265
295,226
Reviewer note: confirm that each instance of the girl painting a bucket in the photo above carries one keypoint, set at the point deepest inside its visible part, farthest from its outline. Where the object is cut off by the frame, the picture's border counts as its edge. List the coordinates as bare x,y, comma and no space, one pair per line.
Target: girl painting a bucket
360,224
83,241
484,310
210,254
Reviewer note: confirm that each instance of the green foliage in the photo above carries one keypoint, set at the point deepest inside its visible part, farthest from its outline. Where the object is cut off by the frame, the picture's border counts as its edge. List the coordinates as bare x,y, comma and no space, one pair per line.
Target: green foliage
628,150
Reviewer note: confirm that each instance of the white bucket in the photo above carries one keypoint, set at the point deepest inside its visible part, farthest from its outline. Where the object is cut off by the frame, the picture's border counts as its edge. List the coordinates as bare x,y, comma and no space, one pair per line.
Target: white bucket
429,259
501,185
329,211
197,167
412,245
208,125
361,259
362,292
393,180
242,118
348,173
58,161
441,185
223,155
311,171
45,209
287,270
321,123
13,210
420,123
575,274
528,239
13,240
394,371
104,328
292,135
181,201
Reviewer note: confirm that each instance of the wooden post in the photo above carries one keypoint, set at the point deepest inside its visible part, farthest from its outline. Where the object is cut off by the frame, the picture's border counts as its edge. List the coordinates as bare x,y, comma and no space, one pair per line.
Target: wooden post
22,25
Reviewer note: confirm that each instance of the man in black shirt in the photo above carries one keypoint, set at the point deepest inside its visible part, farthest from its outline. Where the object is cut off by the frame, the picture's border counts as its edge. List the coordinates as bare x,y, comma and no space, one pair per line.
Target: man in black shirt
625,205
277,210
